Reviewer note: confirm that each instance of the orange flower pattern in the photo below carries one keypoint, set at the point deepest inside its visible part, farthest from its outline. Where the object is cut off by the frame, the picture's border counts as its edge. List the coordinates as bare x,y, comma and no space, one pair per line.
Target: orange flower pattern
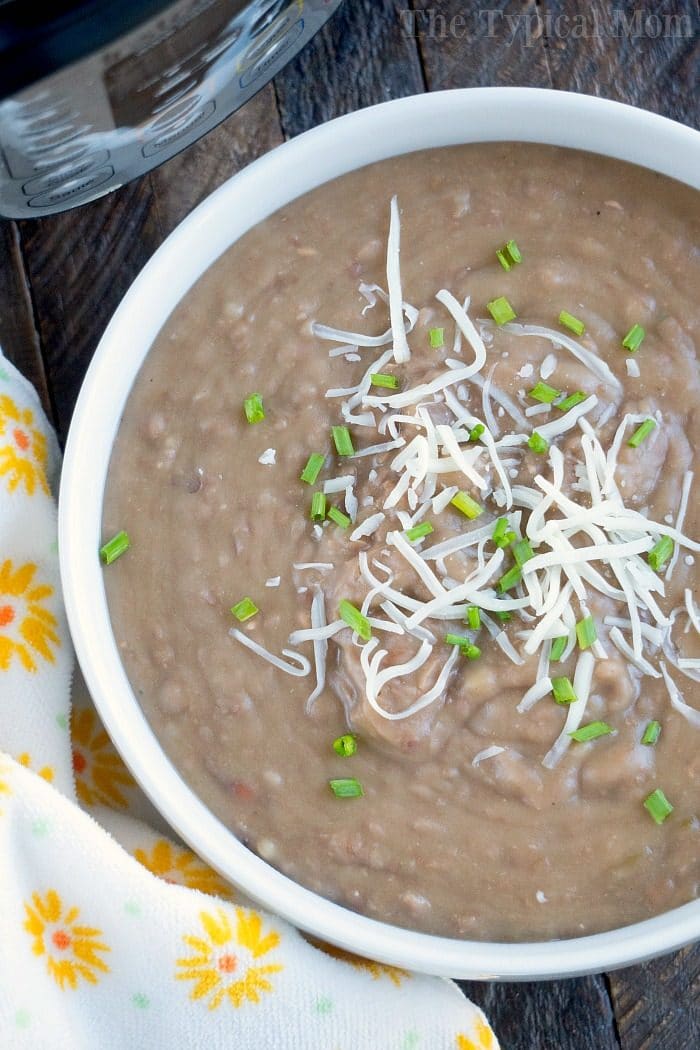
376,970
225,960
23,455
27,627
73,952
483,1036
100,774
182,867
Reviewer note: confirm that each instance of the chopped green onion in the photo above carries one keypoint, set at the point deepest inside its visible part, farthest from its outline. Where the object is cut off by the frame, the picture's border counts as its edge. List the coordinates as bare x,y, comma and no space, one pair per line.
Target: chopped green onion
419,531
339,518
313,468
571,401
318,506
572,323
468,506
471,651
563,691
115,547
522,552
476,431
474,617
510,579
660,553
634,338
501,535
504,617
343,441
658,806
345,745
558,646
437,338
384,379
244,610
501,310
651,733
642,433
346,787
253,407
545,393
586,632
504,260
591,732
354,618
537,443
467,648
514,252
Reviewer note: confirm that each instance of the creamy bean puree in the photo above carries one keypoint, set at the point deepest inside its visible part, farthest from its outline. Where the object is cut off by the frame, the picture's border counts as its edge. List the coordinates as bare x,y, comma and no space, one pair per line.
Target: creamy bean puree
506,553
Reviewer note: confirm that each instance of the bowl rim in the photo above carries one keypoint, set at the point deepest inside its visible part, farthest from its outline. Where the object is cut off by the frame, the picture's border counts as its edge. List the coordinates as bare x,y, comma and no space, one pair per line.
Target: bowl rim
341,145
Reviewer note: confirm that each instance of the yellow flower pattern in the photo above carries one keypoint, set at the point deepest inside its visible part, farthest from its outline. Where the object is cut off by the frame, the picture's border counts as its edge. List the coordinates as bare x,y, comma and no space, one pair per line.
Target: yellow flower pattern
225,960
376,970
46,772
73,952
183,868
484,1037
5,788
100,774
27,628
23,451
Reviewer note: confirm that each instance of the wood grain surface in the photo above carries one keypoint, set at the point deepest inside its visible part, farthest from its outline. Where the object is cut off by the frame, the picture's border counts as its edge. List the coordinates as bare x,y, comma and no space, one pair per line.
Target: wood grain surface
62,277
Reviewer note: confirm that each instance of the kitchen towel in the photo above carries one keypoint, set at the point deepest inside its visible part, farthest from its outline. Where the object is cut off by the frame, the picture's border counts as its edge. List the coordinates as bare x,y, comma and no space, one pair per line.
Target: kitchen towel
112,935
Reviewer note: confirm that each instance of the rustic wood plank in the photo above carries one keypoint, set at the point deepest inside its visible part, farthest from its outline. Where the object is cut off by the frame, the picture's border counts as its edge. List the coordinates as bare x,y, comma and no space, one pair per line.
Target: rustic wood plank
643,52
362,56
657,1005
561,1015
500,43
19,338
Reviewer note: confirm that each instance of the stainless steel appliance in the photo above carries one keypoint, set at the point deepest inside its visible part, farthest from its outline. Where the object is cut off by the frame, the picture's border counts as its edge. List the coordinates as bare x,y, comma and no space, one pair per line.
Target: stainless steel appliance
96,92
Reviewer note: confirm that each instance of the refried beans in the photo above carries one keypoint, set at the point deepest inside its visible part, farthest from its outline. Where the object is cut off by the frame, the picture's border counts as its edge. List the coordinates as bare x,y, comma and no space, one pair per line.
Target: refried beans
380,702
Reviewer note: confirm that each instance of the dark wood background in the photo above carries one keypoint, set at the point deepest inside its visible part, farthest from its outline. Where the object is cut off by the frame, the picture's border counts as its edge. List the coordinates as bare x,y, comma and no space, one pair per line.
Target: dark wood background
62,277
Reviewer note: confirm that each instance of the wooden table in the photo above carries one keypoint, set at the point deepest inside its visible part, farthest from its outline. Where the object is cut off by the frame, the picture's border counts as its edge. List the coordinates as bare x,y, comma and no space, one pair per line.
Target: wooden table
62,277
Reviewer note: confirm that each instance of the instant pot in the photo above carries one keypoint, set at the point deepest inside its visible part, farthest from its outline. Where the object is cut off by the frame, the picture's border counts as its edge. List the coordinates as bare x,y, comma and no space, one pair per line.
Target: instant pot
95,92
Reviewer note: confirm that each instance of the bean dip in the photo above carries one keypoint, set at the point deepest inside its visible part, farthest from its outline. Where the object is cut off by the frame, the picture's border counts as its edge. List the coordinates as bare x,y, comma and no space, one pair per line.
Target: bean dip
523,541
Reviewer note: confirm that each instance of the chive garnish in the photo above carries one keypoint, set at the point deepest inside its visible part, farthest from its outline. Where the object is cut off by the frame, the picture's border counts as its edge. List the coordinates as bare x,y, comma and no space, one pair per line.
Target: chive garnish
468,506
502,536
571,401
522,552
591,732
510,579
342,441
537,443
466,647
509,255
345,745
504,260
658,806
346,787
437,338
318,506
384,379
417,532
338,517
544,393
634,338
558,646
253,408
313,468
660,553
651,733
115,547
354,618
501,310
642,433
244,610
572,323
504,617
474,617
476,431
514,252
586,632
563,691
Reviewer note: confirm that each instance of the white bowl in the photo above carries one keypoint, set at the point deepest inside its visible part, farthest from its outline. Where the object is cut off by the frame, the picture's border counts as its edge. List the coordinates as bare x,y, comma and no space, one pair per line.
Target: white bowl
440,119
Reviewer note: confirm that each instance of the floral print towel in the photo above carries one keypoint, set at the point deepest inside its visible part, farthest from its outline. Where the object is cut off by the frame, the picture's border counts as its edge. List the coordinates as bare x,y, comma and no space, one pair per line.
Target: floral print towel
111,935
